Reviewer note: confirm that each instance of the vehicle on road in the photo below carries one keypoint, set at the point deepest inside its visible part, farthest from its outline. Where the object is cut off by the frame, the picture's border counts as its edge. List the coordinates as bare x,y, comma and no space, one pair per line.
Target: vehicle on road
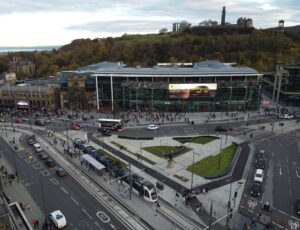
2,119
50,162
152,127
259,175
43,156
260,163
58,219
261,154
75,126
111,124
61,172
38,148
104,131
25,119
286,116
31,140
40,121
256,189
18,120
297,206
220,129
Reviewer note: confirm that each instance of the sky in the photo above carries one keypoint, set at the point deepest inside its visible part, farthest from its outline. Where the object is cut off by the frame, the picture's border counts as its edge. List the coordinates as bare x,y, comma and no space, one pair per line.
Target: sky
57,22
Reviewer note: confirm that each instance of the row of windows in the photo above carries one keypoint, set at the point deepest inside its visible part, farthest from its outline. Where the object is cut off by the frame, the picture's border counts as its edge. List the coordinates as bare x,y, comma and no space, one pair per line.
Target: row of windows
24,95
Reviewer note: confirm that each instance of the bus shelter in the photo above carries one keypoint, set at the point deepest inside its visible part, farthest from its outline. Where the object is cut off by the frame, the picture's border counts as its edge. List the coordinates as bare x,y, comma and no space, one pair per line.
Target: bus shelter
92,163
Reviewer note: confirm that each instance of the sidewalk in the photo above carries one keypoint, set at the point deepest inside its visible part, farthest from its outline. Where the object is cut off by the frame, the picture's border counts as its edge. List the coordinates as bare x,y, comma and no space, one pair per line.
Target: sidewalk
17,191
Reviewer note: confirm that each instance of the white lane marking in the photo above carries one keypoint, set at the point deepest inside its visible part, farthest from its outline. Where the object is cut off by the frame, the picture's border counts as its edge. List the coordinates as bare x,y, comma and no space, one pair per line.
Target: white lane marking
103,217
75,201
87,214
297,174
278,225
280,173
54,181
64,190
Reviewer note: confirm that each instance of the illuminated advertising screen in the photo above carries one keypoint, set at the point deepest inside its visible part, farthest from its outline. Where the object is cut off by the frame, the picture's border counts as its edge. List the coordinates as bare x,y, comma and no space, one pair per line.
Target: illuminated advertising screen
186,91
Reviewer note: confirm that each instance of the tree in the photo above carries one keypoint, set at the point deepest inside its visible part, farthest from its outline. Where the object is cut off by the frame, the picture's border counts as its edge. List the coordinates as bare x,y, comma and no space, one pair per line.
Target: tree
163,30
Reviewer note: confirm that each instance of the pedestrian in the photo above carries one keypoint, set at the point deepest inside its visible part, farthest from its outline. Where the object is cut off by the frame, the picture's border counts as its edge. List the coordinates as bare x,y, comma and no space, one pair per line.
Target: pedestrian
10,181
37,223
253,222
197,208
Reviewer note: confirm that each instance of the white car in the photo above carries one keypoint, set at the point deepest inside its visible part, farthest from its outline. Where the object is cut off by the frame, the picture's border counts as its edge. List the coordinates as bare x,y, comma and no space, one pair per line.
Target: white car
152,127
259,175
58,219
287,116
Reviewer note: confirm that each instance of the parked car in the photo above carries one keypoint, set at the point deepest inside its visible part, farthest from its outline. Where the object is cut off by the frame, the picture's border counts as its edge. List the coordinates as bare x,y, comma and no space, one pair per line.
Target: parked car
58,219
43,156
31,140
75,127
260,163
18,120
50,162
61,172
259,175
2,119
152,127
297,206
261,154
256,189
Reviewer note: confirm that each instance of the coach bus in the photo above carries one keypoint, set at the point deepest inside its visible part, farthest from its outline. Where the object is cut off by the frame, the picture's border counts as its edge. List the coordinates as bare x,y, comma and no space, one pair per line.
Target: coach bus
111,124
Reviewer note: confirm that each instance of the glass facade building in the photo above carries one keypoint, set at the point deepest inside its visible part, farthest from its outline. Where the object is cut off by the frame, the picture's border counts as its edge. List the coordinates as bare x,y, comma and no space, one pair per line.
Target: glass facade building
207,86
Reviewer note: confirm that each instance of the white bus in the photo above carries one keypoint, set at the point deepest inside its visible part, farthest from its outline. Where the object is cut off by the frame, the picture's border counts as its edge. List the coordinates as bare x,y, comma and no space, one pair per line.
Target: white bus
110,124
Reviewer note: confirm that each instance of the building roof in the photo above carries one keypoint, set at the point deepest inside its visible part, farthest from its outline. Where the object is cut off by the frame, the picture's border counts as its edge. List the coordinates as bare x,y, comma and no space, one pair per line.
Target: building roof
204,68
92,161
25,88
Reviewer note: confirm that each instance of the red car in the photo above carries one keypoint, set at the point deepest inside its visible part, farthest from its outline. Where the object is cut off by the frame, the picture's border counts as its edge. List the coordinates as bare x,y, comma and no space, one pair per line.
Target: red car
18,120
75,127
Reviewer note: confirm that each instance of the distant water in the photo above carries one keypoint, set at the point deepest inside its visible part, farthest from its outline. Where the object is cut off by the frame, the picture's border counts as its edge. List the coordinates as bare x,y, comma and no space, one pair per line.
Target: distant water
27,49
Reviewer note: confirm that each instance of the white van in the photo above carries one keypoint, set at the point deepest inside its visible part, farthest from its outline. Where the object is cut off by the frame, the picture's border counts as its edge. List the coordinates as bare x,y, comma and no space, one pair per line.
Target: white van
38,148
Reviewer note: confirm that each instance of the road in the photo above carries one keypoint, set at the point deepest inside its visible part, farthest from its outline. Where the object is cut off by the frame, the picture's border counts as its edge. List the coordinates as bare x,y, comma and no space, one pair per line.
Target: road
52,192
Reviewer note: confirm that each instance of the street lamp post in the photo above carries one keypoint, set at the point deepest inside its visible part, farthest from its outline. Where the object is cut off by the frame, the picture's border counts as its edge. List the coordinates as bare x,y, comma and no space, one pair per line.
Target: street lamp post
219,164
192,180
67,132
141,152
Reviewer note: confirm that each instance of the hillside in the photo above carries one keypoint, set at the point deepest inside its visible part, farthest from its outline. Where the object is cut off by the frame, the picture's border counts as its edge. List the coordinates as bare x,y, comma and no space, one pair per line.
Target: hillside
260,49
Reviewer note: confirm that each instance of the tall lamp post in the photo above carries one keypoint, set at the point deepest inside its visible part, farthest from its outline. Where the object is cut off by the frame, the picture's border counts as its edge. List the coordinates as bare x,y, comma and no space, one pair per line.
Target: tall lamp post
192,180
219,164
67,132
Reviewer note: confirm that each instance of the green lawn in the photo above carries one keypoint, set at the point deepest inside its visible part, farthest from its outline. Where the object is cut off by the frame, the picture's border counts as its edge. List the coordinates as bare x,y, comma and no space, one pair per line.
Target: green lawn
208,167
198,140
163,150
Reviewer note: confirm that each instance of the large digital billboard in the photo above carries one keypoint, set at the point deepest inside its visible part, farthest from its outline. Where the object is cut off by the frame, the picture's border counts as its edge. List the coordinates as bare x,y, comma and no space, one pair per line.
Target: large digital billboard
186,91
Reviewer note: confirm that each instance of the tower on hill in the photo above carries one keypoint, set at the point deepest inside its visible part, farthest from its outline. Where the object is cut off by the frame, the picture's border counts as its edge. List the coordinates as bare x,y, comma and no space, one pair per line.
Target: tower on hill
223,16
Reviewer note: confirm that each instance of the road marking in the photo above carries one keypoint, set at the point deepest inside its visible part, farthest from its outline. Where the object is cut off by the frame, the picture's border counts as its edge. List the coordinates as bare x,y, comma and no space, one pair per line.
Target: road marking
54,181
98,225
75,201
278,225
87,214
297,174
294,225
280,173
103,217
252,204
64,190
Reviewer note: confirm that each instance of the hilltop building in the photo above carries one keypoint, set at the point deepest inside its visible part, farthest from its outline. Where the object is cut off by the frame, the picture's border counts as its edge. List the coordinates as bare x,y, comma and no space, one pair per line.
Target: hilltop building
208,23
206,86
181,25
245,22
22,68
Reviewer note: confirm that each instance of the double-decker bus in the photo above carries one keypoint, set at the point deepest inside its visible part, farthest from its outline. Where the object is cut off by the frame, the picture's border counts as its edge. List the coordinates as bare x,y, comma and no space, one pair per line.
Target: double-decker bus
110,124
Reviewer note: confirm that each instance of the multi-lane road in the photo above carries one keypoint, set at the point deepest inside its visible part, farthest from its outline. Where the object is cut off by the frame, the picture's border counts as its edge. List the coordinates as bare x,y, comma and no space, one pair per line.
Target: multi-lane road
65,193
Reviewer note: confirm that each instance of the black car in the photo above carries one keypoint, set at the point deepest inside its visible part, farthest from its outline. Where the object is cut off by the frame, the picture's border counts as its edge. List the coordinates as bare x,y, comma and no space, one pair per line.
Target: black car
104,131
261,154
260,163
43,156
61,172
41,122
50,162
256,189
220,129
